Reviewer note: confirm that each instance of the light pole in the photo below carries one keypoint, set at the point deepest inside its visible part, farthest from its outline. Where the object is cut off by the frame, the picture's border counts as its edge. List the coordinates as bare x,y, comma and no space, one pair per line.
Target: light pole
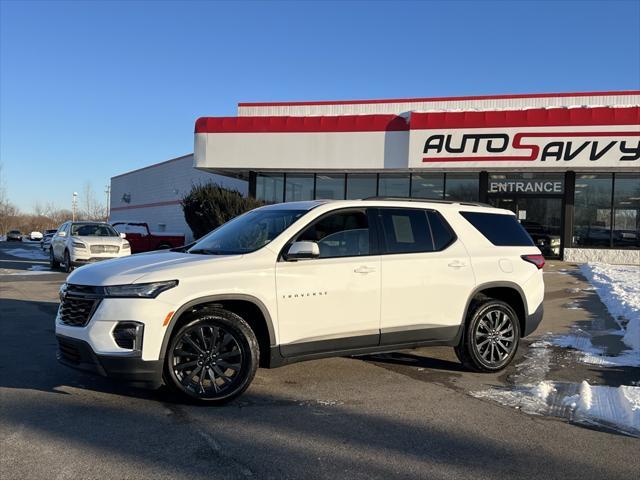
74,203
108,193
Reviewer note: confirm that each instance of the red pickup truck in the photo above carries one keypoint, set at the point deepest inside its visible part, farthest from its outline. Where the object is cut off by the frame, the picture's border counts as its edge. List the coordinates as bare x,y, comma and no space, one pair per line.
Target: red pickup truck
144,240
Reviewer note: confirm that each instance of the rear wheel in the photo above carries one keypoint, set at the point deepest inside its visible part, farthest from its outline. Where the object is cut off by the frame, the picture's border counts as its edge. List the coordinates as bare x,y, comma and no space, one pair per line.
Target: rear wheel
213,358
490,338
53,263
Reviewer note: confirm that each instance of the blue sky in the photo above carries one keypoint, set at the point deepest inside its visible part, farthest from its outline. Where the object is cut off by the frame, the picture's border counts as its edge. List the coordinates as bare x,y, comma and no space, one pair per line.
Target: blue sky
92,89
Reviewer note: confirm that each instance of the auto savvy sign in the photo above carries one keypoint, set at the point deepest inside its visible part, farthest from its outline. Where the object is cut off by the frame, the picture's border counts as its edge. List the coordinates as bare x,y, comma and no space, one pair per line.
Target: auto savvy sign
462,143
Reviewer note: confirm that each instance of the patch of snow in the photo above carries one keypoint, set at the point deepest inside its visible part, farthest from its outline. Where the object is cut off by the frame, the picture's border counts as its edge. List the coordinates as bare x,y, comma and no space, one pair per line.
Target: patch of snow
30,254
619,406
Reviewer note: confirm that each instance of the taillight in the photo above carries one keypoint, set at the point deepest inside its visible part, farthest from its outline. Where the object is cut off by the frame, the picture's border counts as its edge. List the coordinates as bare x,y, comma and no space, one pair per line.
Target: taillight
537,260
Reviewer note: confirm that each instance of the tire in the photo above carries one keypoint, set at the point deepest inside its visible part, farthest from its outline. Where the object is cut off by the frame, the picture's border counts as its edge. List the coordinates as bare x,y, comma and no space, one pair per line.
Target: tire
67,262
490,338
53,263
219,344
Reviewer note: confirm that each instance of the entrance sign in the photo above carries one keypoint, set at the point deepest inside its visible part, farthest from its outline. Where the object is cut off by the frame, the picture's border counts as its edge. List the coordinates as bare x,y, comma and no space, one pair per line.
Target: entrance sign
526,186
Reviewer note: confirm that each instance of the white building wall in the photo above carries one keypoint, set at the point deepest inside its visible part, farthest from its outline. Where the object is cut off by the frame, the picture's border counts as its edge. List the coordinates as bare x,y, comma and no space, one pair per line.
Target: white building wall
152,194
422,105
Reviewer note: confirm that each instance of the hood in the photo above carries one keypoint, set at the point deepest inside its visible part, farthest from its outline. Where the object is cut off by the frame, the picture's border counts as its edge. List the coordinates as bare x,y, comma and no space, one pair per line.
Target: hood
146,267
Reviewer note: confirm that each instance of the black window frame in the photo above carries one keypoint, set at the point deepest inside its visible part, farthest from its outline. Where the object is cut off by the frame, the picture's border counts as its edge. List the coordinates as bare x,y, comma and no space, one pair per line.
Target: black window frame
374,246
381,237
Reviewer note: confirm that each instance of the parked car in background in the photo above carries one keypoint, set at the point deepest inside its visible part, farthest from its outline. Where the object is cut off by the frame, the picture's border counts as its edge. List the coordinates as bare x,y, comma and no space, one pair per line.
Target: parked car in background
305,280
46,238
142,239
80,243
35,236
14,236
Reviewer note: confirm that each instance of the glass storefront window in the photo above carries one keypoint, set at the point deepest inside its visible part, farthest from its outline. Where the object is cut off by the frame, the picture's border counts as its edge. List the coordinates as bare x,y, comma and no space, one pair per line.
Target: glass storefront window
270,187
330,186
361,185
427,185
394,185
592,216
299,186
626,210
462,187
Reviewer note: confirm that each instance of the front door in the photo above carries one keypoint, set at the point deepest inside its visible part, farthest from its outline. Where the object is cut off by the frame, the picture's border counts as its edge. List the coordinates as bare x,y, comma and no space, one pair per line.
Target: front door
332,302
540,216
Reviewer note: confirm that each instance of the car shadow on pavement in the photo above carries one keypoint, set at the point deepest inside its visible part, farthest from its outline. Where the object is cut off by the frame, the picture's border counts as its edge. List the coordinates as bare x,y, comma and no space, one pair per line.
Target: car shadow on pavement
413,360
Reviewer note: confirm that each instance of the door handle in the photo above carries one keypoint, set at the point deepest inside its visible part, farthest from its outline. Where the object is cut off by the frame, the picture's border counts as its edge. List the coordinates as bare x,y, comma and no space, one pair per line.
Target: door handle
364,269
457,264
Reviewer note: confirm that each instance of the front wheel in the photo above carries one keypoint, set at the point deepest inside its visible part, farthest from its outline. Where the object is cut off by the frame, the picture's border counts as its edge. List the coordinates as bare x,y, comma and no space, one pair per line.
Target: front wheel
67,262
213,358
53,263
491,337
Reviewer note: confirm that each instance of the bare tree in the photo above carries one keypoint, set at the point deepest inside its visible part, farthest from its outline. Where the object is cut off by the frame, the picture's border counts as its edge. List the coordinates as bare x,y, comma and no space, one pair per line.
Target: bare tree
92,208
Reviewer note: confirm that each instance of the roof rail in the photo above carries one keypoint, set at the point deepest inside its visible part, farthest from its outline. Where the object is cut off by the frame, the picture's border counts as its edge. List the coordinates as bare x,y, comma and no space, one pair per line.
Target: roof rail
429,200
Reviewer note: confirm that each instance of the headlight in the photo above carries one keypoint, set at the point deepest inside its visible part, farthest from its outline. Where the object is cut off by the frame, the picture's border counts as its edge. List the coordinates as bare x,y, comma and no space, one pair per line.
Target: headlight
126,245
79,245
139,290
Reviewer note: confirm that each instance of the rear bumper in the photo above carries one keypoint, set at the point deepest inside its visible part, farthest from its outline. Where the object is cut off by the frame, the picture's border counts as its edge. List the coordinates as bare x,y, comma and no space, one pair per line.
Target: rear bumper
533,321
78,354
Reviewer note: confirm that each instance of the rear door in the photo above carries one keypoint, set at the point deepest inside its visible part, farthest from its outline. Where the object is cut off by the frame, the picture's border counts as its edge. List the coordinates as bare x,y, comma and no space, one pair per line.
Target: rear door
332,302
426,277
58,242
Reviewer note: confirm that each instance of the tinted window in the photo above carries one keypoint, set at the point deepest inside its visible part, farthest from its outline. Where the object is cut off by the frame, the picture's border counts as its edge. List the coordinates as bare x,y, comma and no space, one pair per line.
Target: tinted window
440,230
343,234
330,186
298,187
361,185
394,185
502,230
406,231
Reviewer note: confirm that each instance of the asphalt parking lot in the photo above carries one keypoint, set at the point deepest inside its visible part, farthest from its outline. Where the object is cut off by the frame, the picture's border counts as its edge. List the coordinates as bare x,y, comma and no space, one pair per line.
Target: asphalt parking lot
404,415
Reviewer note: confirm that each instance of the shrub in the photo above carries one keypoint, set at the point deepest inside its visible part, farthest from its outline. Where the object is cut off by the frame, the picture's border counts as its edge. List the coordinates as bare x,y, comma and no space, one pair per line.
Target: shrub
208,205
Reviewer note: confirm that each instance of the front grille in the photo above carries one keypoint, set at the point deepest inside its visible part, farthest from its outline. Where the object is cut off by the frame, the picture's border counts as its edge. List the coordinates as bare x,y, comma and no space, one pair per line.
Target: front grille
68,351
105,249
78,304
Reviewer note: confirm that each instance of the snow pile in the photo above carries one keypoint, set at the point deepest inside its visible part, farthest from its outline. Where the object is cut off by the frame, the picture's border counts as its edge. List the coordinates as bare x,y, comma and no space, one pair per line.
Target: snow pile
618,407
618,286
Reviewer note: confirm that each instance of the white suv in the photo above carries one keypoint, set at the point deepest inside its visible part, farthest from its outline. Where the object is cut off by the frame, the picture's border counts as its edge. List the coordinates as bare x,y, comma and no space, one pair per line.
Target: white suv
80,243
305,280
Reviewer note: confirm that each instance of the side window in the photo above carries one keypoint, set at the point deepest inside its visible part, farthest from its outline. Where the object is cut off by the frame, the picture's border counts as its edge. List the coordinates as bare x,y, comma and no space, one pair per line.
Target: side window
406,230
440,230
343,234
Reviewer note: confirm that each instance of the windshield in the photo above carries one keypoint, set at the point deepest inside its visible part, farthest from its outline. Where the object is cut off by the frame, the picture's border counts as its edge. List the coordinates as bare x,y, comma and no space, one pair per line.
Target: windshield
247,233
92,230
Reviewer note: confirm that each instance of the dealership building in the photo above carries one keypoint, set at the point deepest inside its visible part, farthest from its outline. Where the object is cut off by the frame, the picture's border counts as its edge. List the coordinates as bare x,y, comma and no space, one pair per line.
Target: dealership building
567,164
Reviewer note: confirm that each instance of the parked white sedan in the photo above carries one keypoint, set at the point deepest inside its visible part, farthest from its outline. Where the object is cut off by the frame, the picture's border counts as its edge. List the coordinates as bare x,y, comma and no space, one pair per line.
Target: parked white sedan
80,243
35,236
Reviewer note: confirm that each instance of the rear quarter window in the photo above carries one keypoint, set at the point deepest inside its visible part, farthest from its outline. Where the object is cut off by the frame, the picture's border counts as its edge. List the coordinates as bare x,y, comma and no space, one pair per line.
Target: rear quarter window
501,230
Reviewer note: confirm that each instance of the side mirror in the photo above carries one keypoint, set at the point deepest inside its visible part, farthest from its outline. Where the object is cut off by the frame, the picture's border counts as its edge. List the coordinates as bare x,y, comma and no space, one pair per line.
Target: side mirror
303,250
62,234
123,235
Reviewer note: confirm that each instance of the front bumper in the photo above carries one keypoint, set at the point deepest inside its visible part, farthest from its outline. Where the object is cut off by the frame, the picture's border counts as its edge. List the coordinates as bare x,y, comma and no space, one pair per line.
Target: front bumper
533,321
78,354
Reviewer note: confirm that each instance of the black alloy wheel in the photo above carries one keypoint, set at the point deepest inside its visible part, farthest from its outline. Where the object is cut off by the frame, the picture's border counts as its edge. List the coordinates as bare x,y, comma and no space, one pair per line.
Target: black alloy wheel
491,337
213,358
